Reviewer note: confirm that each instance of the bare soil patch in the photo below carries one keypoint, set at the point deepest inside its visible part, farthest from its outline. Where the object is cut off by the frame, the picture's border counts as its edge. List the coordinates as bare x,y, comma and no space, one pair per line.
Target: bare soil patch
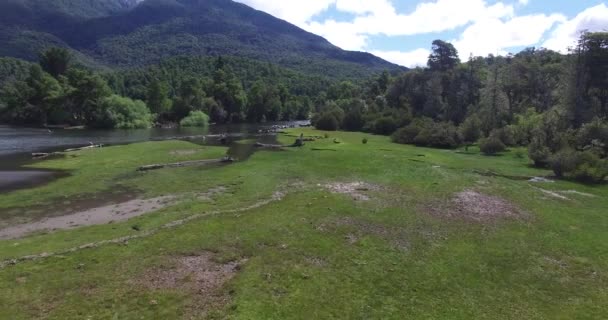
100,215
475,206
395,236
201,277
187,152
211,193
357,190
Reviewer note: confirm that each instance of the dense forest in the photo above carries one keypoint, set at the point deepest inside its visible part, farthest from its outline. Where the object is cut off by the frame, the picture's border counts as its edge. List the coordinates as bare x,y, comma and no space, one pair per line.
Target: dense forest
57,91
556,105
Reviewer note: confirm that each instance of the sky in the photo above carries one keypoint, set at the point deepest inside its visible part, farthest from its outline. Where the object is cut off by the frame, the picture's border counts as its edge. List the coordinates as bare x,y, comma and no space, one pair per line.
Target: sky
401,31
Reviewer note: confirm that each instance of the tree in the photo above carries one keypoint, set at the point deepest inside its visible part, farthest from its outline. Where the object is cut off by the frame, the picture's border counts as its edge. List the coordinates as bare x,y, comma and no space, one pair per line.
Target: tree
45,92
157,97
86,90
55,61
493,101
444,56
264,102
470,130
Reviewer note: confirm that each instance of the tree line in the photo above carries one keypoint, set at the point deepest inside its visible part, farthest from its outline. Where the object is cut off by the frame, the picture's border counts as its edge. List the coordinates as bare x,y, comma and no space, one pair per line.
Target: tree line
57,91
553,104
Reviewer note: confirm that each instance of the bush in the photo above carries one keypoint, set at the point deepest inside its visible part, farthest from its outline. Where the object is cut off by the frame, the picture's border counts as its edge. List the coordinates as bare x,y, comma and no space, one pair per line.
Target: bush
539,152
327,122
353,121
443,135
406,135
505,135
470,130
195,119
124,113
563,162
385,126
491,145
589,168
594,136
364,141
429,134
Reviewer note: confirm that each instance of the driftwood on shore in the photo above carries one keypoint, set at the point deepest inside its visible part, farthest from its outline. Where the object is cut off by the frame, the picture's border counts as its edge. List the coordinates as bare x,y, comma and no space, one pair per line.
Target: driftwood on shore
42,155
269,146
185,164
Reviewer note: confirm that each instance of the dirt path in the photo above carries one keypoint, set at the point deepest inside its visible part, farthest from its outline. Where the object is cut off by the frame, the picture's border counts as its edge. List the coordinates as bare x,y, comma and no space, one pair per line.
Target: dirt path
100,215
277,196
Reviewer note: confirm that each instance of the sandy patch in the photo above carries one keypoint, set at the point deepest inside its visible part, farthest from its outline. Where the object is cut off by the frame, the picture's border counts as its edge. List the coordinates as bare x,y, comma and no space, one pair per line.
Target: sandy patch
540,180
553,194
211,193
357,190
100,215
578,193
199,276
475,206
187,152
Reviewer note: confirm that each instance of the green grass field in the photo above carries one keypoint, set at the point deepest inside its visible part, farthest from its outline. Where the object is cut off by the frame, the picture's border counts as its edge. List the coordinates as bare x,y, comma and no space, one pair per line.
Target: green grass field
400,247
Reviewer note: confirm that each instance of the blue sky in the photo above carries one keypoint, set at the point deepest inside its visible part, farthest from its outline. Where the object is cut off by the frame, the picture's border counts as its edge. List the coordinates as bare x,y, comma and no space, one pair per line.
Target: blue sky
401,31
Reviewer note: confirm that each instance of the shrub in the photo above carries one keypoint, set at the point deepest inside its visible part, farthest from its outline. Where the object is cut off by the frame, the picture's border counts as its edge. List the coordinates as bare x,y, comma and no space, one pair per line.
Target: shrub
539,152
443,135
590,168
353,121
326,121
195,119
491,145
429,134
406,135
594,136
364,141
124,113
564,161
385,126
470,130
505,135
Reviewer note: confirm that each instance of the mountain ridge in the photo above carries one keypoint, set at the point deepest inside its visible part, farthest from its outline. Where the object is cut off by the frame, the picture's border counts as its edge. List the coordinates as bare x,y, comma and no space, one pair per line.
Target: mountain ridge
126,33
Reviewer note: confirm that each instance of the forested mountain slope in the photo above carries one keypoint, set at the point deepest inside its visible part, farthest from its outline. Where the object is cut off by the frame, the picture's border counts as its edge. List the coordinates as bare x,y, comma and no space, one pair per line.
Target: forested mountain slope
124,33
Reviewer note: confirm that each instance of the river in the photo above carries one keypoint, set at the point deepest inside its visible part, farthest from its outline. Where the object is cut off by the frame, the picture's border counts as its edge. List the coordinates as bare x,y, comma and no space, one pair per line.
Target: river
17,144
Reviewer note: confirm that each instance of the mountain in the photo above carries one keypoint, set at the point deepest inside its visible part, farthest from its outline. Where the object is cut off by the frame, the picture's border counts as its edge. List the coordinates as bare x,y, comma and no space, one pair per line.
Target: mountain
126,33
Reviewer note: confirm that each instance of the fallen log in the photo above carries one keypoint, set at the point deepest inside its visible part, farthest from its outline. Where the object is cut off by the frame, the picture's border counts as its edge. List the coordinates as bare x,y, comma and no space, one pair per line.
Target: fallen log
92,146
42,155
185,164
489,173
270,146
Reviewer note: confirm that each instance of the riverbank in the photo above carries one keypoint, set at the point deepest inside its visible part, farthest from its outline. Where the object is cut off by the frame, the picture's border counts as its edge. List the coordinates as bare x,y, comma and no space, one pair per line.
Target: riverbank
302,233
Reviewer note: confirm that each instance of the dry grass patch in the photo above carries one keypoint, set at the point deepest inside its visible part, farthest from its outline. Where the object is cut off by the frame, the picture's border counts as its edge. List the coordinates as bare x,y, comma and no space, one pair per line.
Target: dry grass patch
357,190
201,277
478,207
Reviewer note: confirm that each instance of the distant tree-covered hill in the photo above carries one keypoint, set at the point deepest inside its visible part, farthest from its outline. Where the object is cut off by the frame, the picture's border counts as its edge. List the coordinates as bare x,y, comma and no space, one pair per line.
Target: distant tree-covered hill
127,33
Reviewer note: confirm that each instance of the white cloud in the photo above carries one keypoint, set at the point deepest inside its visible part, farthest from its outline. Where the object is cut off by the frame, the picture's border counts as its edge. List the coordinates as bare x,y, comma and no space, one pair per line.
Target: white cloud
411,59
566,34
295,11
381,18
490,26
495,36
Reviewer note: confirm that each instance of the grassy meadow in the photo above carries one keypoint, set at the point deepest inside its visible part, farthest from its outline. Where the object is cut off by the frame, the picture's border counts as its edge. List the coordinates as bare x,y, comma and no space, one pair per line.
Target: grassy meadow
337,229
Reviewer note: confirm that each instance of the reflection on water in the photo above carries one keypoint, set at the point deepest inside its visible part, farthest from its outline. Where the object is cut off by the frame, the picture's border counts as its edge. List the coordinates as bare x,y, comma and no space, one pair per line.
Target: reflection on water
17,144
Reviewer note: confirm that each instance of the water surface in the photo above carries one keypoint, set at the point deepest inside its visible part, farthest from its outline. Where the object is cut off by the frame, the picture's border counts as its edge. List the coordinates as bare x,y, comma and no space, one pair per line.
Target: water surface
17,144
